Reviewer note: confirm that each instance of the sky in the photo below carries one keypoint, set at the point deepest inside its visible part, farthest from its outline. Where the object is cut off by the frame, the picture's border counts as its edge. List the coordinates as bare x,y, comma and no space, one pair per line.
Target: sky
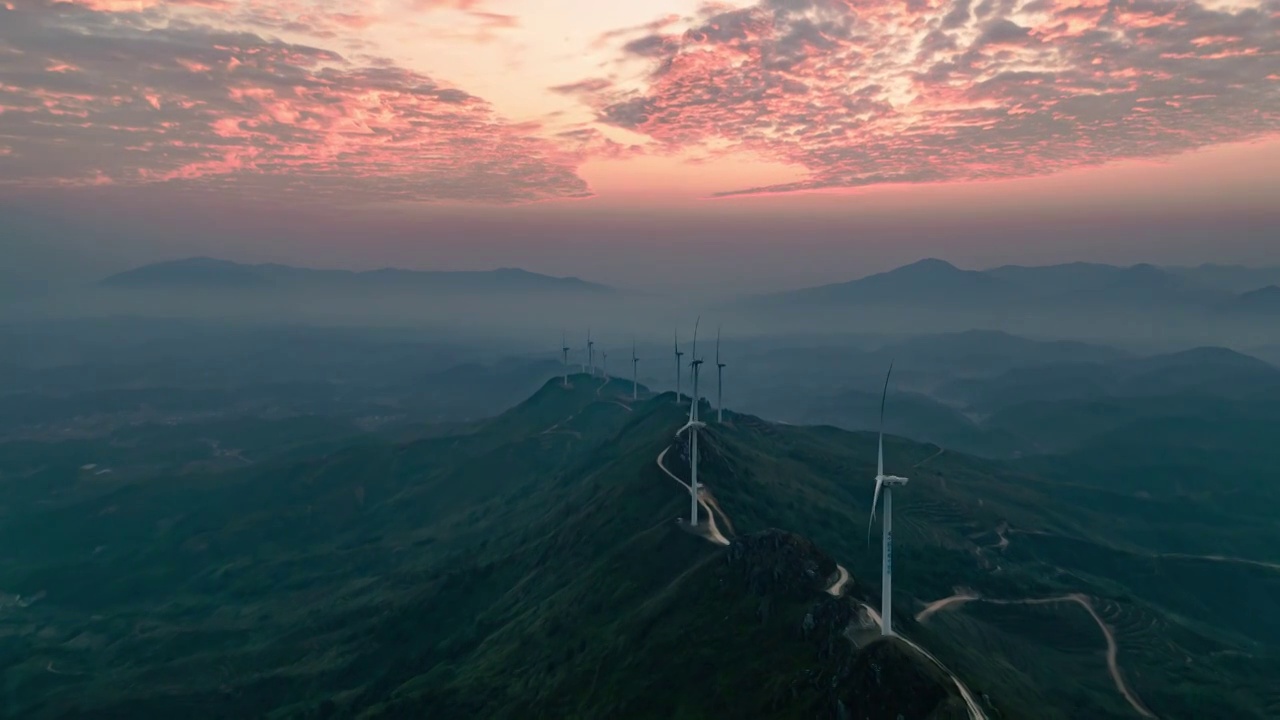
764,144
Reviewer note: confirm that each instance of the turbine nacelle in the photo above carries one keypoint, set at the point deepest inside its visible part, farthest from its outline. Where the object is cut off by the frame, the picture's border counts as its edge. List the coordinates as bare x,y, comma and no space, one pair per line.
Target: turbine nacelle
890,480
691,425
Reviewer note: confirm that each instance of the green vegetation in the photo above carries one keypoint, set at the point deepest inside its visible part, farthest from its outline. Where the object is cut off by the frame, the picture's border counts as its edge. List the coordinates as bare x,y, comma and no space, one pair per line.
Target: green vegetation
531,565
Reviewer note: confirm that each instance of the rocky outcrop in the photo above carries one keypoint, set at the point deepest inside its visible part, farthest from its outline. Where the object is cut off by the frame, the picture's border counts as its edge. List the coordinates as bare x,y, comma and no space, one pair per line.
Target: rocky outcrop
781,564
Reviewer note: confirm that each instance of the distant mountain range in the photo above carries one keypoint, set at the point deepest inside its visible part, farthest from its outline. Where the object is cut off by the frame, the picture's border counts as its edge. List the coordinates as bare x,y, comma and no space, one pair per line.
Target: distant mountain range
211,274
932,281
1263,301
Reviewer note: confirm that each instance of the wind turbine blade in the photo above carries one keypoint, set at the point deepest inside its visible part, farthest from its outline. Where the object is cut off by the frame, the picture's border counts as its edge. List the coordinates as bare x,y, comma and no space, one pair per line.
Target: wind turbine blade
874,502
880,458
717,345
880,452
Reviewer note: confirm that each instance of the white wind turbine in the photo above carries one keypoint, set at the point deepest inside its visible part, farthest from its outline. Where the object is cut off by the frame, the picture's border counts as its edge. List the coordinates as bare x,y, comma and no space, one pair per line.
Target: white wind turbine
604,364
887,482
564,351
719,381
635,361
693,426
676,336
591,352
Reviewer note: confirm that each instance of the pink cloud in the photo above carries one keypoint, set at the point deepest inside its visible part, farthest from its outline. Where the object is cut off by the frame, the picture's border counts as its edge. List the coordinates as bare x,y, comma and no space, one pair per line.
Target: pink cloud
888,92
118,6
212,109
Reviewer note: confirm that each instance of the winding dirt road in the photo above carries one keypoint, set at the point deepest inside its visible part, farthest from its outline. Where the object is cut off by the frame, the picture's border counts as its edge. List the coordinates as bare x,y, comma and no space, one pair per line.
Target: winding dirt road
555,429
713,533
940,451
712,508
937,605
841,580
1113,665
975,710
1221,558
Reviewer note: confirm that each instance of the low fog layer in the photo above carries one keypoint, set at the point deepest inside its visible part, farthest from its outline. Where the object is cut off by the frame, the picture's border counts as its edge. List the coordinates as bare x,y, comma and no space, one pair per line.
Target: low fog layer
1141,306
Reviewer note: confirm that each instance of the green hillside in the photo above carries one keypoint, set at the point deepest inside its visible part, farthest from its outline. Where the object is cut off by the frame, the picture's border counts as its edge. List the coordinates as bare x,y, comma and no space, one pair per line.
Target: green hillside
539,564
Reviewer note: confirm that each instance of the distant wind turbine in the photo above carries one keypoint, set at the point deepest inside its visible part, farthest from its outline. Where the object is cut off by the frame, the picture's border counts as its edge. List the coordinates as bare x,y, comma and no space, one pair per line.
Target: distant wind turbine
604,365
719,381
564,351
693,426
887,482
591,352
676,334
635,361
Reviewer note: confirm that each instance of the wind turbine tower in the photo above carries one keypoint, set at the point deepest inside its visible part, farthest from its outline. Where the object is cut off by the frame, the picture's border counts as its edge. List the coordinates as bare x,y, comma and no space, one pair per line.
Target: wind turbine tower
604,365
887,482
693,426
591,352
676,336
635,361
564,351
719,381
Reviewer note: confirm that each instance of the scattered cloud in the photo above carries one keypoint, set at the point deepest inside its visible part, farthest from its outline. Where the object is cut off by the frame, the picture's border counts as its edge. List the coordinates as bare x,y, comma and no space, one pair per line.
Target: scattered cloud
588,87
861,93
99,92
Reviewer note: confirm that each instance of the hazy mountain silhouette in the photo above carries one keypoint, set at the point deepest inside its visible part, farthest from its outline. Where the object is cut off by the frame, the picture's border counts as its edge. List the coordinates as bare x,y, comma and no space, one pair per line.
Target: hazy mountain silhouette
1263,301
923,282
939,283
1179,383
209,273
1229,278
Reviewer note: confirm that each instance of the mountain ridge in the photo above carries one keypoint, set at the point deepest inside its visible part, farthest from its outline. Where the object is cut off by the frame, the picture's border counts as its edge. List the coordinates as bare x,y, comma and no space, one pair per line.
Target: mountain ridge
206,272
1096,284
535,565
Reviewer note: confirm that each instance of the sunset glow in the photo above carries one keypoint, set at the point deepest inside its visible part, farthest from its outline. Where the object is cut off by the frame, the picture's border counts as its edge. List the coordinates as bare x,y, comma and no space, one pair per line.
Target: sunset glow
509,102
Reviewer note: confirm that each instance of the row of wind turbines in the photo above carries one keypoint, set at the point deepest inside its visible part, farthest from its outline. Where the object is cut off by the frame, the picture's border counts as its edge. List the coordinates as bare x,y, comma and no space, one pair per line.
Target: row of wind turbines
884,482
589,366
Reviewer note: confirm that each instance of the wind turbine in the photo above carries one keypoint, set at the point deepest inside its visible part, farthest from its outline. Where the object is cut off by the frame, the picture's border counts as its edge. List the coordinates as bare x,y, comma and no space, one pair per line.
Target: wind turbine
635,361
693,426
564,350
591,353
719,381
604,365
887,482
676,335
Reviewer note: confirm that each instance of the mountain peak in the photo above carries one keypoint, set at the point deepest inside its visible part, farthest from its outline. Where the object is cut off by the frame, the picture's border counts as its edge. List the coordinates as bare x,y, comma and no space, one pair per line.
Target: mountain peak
930,264
778,562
